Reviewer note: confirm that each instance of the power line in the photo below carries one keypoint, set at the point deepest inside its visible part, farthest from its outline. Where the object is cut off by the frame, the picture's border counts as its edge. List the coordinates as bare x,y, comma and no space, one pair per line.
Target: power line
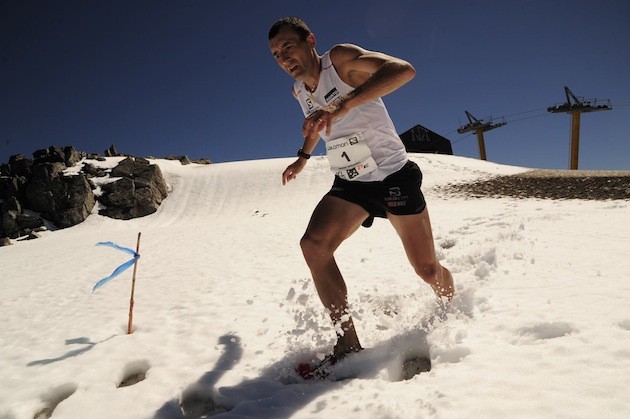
622,104
455,130
524,112
529,117
461,139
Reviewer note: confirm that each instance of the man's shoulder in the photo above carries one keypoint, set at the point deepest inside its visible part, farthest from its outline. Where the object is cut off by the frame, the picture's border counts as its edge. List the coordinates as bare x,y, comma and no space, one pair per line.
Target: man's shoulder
345,52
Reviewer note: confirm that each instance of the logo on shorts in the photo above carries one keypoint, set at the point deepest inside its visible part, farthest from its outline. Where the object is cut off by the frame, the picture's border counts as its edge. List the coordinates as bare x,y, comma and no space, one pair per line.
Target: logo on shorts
395,191
396,198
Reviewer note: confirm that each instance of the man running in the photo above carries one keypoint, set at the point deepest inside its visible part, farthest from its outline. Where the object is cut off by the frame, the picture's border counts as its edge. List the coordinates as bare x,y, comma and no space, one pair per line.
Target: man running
340,94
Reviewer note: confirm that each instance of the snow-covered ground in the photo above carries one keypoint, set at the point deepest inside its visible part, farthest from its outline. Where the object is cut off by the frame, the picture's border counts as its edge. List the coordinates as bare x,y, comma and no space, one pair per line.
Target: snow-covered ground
225,306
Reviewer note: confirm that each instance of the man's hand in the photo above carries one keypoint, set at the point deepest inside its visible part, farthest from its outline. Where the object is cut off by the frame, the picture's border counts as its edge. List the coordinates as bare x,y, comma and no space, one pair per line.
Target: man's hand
314,124
323,119
292,170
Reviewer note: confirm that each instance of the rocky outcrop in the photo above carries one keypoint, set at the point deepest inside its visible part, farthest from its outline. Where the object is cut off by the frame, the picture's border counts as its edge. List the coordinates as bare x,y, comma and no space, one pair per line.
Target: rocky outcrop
14,222
35,190
138,193
64,200
111,152
66,155
39,185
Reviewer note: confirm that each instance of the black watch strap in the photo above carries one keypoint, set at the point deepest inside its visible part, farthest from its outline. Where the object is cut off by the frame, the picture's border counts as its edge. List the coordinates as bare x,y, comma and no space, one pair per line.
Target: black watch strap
301,153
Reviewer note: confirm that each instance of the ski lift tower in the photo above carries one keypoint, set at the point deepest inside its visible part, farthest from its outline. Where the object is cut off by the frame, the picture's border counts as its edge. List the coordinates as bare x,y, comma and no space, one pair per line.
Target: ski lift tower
479,127
576,108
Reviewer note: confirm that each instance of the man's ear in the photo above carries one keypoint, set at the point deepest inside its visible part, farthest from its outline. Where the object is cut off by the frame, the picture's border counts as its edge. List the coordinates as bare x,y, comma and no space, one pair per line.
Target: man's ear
310,40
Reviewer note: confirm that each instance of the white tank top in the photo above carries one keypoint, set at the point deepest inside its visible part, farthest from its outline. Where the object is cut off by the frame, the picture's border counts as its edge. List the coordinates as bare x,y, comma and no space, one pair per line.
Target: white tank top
365,138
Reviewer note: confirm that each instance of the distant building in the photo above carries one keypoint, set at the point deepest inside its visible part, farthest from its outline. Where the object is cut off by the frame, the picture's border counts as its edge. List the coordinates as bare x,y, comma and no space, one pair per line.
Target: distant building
422,140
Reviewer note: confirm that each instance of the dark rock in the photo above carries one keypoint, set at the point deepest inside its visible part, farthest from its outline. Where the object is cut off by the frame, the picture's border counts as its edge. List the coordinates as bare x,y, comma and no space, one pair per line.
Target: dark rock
119,194
66,155
40,185
72,156
4,187
8,224
64,200
4,241
29,236
130,167
50,155
204,160
43,186
184,160
13,186
26,222
32,236
153,178
14,223
12,204
92,171
77,203
139,193
111,152
47,171
20,166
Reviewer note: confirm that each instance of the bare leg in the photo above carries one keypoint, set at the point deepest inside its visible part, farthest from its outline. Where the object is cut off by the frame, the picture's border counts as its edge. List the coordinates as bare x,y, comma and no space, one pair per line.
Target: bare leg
332,222
417,238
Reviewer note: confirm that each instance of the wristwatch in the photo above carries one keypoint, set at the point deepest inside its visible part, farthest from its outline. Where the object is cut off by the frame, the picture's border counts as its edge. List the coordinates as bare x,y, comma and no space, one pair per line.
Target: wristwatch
302,154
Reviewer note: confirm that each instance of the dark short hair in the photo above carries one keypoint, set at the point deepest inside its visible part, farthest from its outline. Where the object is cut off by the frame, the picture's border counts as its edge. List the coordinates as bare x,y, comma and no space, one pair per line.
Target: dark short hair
295,23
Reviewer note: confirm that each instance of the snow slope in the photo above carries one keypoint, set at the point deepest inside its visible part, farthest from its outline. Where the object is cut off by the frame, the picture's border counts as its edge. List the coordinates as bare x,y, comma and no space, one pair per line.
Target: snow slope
225,307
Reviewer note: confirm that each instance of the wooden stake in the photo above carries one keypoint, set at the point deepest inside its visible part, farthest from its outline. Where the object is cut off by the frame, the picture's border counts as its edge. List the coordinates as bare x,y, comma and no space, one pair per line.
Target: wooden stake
133,288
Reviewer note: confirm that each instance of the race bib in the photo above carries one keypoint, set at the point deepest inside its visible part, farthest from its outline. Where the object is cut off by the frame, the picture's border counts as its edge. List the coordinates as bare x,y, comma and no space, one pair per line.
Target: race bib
350,157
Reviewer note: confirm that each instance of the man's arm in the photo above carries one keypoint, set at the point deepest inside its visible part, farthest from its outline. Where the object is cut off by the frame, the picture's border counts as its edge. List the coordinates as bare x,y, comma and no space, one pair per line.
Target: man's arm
296,167
372,74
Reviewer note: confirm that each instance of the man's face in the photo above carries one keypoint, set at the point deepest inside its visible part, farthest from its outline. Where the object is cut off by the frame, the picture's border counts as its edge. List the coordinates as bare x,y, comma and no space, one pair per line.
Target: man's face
292,54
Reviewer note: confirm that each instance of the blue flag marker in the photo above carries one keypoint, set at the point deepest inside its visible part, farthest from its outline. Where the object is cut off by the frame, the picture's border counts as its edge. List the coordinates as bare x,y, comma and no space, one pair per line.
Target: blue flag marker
122,268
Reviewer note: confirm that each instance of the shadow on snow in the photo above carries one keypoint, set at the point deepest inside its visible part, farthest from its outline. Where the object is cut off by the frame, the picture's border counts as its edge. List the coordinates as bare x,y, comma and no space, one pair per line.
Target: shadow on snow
278,392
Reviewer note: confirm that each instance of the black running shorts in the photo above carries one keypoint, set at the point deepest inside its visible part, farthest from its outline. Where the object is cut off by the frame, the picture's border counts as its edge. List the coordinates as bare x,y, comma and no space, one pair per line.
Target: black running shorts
398,194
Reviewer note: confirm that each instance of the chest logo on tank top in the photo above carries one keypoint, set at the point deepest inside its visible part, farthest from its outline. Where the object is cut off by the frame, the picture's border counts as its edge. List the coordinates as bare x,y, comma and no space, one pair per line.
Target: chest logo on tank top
310,105
332,95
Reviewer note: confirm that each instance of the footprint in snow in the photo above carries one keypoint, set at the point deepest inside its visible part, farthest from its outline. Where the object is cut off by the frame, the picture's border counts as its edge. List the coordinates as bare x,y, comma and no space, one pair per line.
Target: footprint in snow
448,243
452,355
542,331
53,398
624,324
134,372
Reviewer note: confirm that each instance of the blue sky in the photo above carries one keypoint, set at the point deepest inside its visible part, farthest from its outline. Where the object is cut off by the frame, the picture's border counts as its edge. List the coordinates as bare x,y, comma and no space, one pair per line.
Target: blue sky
196,77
